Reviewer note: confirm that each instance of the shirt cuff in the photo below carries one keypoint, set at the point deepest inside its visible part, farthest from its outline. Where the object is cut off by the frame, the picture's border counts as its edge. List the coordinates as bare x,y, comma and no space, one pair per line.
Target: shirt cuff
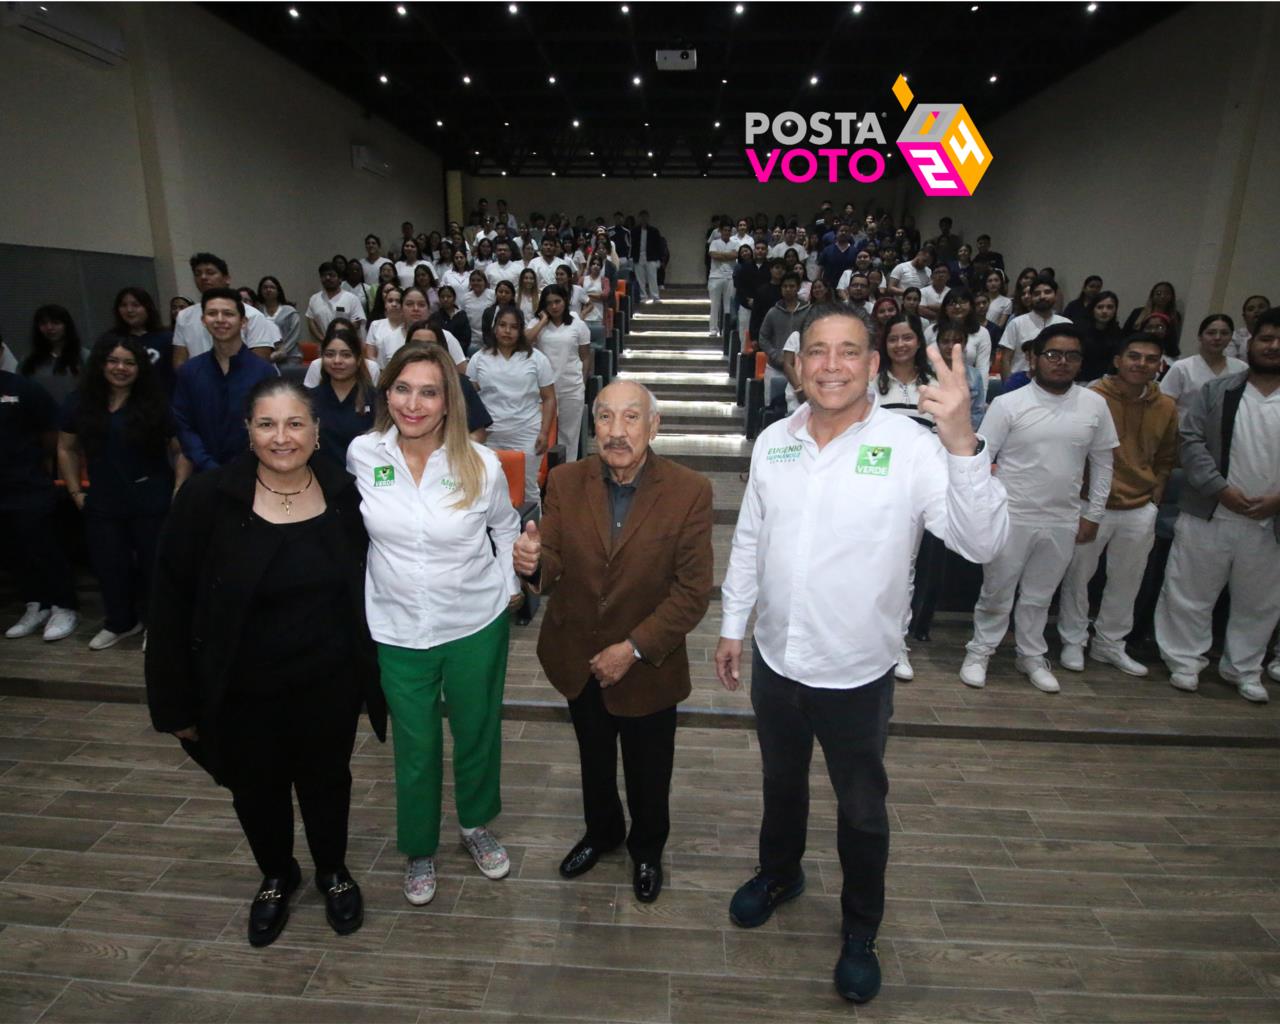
972,463
734,627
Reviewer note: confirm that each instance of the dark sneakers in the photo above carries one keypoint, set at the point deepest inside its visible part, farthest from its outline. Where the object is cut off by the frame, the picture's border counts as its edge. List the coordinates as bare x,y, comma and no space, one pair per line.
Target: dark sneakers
754,903
858,970
269,911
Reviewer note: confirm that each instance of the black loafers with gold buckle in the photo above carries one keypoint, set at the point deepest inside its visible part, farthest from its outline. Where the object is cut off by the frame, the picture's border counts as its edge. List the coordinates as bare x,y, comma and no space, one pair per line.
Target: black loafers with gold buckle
269,911
343,904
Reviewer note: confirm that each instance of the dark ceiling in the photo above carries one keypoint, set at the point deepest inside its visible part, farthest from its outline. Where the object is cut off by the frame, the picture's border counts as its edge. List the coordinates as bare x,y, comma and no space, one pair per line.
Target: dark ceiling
510,117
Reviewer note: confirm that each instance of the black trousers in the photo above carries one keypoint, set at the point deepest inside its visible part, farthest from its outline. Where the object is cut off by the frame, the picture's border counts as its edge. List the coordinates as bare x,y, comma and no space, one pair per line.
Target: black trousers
31,551
648,749
852,726
931,563
123,551
297,738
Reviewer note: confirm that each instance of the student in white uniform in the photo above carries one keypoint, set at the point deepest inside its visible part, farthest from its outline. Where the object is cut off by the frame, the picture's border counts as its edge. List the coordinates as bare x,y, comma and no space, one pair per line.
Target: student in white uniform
1188,375
1228,533
564,339
517,385
999,305
333,301
932,294
475,300
313,376
544,266
457,277
371,263
1254,306
405,266
387,334
276,308
1021,329
577,296
190,336
503,268
1041,436
839,492
958,305
594,284
724,257
914,273
413,307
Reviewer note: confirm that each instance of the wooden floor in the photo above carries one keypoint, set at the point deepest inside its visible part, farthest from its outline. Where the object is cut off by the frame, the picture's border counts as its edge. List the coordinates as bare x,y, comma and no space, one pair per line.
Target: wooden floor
1028,881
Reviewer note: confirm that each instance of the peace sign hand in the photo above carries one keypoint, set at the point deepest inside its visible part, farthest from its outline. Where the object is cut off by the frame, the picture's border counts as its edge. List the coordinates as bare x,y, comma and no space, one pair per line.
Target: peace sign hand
948,400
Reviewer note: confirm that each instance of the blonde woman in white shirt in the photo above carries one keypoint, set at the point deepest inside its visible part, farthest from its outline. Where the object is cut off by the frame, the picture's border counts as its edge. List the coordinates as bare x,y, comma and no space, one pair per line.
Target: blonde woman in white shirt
438,598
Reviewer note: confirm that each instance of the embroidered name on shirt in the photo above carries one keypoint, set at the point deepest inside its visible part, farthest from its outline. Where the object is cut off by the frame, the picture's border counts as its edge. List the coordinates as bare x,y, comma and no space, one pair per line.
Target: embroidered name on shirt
873,460
449,483
384,476
784,453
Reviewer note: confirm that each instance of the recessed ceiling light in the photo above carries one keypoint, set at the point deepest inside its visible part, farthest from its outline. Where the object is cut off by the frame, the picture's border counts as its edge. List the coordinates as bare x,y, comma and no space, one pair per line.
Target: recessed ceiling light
857,8
382,79
439,124
646,124
655,174
813,79
514,10
717,124
591,152
603,175
650,154
636,80
1091,8
293,13
738,9
993,79
626,9
724,81
477,152
551,79
553,174
504,173
708,156
506,124
401,10
577,123
973,8
466,79
533,152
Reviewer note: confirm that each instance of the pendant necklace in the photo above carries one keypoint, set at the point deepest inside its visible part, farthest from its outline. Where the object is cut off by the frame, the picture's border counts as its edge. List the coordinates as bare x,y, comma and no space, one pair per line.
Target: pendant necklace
286,496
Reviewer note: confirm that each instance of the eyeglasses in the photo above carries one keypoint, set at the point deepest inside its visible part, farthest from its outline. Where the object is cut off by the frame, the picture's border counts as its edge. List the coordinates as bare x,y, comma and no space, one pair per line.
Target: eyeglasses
1056,355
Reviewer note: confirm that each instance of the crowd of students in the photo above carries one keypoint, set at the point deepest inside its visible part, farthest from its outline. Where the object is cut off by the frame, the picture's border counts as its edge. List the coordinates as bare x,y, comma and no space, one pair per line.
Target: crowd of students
1077,400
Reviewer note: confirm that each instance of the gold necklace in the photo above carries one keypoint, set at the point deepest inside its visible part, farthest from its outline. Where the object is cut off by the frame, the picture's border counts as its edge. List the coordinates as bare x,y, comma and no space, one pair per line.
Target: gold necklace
286,503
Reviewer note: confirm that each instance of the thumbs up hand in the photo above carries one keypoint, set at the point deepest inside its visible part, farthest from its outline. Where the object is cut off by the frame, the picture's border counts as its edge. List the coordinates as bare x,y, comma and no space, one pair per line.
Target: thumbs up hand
527,550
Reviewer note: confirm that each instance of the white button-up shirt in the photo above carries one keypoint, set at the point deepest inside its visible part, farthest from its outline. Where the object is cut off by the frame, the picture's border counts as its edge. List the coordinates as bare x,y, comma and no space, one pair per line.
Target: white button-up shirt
189,331
432,574
825,538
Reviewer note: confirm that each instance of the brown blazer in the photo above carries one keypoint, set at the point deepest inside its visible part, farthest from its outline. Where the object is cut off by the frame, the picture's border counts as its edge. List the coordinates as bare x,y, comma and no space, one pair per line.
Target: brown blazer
652,587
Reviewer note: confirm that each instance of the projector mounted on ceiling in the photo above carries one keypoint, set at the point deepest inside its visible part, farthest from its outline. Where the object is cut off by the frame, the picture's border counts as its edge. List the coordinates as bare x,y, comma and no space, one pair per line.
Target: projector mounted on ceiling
676,60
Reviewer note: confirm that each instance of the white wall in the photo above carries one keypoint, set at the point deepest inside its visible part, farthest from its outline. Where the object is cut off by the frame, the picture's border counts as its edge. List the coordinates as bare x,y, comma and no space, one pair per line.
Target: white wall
203,139
680,208
1126,168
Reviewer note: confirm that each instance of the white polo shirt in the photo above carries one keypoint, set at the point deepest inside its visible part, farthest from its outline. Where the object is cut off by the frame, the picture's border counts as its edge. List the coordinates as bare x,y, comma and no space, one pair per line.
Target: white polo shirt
930,296
560,346
509,387
1000,306
824,538
1189,374
384,339
371,268
474,306
1022,329
1255,452
324,309
404,271
977,348
908,275
394,341
496,272
259,331
1040,442
432,574
546,271
722,268
458,280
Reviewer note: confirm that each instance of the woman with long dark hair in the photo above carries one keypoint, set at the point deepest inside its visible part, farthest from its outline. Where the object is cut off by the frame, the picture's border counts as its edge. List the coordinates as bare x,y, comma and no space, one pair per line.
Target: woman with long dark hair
118,424
450,317
56,355
344,397
1078,308
564,339
276,308
904,367
1102,336
504,294
136,316
1162,299
957,305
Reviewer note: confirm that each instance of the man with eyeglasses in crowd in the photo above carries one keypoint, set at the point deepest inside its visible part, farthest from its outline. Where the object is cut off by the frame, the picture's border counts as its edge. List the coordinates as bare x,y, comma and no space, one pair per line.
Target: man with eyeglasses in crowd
1041,437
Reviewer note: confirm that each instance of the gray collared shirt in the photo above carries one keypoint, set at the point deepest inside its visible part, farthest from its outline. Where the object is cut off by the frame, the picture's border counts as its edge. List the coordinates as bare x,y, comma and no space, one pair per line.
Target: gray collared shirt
621,497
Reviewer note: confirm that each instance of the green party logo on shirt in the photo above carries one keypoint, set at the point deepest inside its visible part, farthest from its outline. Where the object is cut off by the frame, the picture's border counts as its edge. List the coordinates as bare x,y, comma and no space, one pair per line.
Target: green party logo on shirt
784,453
449,483
384,476
873,460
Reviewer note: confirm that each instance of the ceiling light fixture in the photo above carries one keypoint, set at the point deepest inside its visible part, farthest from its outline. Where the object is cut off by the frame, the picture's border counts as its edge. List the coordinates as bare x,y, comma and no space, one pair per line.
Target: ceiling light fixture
655,174
857,8
439,124
504,173
466,79
646,124
1091,8
551,79
738,9
636,80
973,8
553,174
401,10
716,125
603,175
708,156
813,79
626,9
650,154
477,152
514,10
382,79
993,79
506,124
293,13
577,123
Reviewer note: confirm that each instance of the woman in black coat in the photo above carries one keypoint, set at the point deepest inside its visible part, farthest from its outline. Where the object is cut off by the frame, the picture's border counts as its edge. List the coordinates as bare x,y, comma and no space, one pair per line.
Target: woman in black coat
259,657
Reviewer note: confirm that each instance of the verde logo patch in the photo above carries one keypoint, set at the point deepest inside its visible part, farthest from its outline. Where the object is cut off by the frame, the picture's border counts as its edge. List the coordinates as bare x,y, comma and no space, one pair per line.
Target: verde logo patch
873,460
449,483
783,453
384,476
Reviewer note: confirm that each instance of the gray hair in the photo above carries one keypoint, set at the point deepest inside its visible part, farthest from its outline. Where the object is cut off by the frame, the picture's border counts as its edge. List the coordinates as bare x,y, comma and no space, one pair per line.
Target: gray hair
653,402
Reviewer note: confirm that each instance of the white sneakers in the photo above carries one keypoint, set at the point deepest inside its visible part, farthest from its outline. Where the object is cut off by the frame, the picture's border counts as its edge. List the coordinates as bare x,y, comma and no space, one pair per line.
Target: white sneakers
903,672
1253,690
1037,670
1072,657
104,638
1273,670
58,623
974,671
420,880
1185,681
1117,657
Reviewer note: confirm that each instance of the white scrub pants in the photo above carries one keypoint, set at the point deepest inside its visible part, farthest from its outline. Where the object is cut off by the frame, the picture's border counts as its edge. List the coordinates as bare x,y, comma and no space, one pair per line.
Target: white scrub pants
720,289
744,322
520,440
1126,535
570,401
1032,563
647,278
1207,555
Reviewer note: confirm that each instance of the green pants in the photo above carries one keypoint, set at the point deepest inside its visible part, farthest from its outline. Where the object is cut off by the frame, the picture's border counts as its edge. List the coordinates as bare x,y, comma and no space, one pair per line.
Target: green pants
470,674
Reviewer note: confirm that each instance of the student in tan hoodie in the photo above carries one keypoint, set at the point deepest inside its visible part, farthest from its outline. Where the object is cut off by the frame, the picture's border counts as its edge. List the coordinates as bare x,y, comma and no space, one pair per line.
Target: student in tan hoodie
1147,424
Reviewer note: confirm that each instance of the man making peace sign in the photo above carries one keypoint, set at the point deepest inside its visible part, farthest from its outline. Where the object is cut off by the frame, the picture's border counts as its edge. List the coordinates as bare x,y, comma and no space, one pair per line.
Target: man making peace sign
838,495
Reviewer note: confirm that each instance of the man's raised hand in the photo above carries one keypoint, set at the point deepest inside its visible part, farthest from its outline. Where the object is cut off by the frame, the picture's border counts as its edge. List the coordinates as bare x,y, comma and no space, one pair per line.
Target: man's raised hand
948,401
527,551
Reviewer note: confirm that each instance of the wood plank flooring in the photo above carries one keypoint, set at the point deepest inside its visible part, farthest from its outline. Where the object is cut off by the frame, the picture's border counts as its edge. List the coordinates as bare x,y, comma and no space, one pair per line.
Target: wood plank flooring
1028,881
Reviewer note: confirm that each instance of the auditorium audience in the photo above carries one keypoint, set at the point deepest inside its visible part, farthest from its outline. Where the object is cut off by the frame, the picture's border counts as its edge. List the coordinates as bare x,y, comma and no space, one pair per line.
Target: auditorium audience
1253,306
1022,328
332,300
343,398
56,355
564,339
191,336
136,316
1188,375
277,309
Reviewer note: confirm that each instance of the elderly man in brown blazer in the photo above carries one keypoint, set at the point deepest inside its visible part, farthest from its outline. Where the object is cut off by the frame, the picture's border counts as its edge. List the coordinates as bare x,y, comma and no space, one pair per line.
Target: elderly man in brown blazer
625,555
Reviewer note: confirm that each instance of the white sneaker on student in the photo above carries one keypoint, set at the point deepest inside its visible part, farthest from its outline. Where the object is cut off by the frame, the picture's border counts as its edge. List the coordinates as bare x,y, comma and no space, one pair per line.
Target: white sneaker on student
1072,657
1273,670
32,619
974,671
903,672
1117,657
62,623
104,638
1037,670
1253,690
1187,682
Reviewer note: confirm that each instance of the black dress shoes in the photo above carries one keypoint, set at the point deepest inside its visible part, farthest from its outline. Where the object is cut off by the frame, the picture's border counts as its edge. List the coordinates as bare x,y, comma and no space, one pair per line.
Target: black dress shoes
582,858
343,904
647,881
270,908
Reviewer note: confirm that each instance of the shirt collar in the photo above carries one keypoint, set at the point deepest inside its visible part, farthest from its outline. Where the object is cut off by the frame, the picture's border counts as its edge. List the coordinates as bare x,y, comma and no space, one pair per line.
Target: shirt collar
798,424
635,482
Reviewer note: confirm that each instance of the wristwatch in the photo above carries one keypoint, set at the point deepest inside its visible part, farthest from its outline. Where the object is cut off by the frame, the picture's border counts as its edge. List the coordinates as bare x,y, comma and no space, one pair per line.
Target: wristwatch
982,444
635,650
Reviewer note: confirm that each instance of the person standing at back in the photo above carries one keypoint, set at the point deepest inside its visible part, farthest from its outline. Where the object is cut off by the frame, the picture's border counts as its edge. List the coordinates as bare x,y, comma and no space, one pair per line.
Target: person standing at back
647,251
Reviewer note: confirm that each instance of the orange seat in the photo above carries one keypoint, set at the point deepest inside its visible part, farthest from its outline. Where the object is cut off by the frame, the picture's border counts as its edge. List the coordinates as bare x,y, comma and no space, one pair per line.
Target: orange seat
310,351
621,287
748,344
513,467
761,362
